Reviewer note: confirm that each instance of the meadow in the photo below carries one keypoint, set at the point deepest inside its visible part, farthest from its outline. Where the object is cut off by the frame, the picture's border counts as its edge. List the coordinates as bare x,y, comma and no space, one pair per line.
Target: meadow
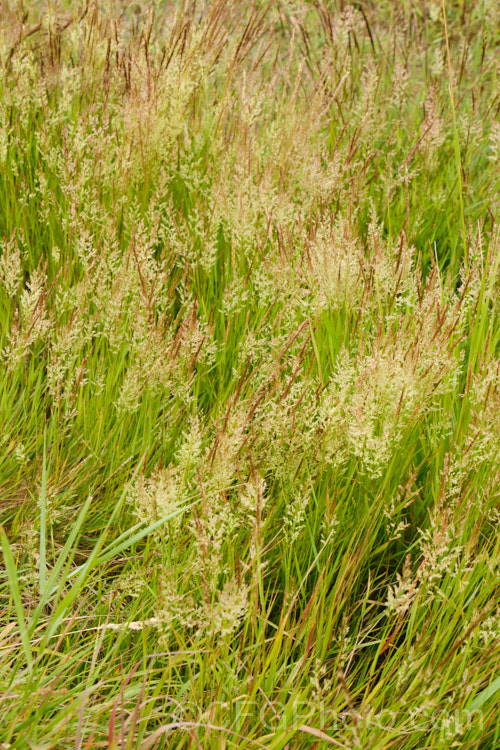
250,374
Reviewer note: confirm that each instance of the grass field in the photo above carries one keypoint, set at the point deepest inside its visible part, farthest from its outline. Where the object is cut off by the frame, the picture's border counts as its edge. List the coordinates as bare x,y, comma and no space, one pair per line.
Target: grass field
250,374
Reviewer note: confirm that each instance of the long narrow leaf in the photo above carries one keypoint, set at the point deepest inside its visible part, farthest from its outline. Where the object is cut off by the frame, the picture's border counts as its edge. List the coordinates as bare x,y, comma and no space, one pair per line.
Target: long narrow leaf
43,521
13,581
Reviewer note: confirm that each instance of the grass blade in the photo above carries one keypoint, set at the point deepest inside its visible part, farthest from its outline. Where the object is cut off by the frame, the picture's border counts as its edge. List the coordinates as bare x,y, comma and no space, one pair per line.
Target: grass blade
13,580
42,575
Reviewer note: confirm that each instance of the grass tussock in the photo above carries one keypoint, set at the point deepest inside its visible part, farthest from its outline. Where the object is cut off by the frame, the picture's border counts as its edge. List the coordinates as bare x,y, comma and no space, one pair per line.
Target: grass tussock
250,374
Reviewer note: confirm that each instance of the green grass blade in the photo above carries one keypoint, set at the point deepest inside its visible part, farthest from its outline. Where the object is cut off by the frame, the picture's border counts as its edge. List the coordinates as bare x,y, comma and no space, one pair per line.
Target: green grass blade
485,695
43,520
13,580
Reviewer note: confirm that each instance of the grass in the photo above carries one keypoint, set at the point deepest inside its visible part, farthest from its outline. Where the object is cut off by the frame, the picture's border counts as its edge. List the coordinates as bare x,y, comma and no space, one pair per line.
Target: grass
249,345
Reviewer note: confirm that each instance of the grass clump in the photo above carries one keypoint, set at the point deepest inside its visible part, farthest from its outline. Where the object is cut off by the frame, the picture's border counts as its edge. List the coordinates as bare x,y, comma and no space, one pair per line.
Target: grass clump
249,306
